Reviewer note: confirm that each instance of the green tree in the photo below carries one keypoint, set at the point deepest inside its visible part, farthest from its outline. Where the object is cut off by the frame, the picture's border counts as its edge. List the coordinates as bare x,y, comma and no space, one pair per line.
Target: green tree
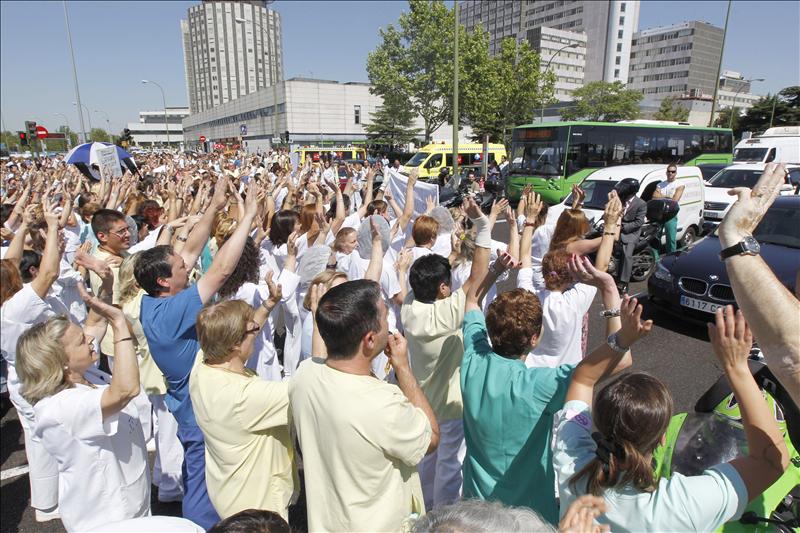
11,140
504,91
392,124
603,101
671,109
723,120
99,135
786,106
414,62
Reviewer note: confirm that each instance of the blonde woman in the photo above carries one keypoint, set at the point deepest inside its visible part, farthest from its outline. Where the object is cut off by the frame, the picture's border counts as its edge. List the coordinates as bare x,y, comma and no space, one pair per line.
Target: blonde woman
244,419
92,431
169,452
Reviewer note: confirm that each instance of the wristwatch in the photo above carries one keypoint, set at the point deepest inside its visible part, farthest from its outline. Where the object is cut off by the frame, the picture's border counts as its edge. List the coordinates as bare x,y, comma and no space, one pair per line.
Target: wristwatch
610,313
747,246
614,345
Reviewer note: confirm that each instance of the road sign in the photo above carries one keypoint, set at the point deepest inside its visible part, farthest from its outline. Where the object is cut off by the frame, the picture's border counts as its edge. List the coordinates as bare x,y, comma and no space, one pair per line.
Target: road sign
202,138
56,135
243,129
41,132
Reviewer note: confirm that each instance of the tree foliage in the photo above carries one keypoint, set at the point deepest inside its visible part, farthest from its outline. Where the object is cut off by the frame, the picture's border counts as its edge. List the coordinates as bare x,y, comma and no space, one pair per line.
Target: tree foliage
392,124
757,119
503,91
603,101
671,109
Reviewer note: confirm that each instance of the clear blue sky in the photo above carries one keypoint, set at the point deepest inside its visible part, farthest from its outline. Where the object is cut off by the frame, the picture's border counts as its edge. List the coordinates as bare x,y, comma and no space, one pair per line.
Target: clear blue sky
117,43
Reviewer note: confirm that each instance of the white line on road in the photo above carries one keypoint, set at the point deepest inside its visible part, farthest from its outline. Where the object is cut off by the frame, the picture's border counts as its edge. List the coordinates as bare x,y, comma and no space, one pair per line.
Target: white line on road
14,472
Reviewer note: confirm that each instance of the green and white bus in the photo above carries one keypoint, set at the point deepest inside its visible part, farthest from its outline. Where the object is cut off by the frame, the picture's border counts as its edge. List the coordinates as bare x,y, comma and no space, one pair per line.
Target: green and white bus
553,157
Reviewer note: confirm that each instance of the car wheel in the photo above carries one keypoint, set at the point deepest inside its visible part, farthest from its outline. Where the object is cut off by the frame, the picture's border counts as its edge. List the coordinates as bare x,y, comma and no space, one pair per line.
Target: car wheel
689,236
643,264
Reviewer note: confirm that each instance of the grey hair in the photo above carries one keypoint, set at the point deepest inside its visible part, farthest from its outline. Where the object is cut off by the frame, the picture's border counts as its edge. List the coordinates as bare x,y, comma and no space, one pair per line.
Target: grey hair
444,218
364,236
479,516
314,261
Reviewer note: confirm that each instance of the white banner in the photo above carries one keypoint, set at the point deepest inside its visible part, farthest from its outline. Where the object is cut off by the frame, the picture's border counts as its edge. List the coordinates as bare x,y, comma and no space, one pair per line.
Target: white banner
108,161
422,191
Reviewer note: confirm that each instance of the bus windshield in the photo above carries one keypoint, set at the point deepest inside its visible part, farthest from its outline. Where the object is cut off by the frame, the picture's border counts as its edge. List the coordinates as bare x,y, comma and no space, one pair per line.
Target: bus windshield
417,160
744,155
538,151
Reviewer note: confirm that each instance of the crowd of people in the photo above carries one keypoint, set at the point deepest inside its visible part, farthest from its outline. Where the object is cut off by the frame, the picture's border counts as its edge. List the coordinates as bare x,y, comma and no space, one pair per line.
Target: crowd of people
270,331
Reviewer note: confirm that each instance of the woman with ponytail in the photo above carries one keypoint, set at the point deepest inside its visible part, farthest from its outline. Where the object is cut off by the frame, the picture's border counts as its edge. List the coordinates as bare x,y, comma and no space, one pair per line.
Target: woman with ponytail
631,415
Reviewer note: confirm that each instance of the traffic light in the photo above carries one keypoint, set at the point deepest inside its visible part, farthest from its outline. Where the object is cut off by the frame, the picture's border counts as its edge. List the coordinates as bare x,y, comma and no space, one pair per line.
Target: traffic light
30,127
23,138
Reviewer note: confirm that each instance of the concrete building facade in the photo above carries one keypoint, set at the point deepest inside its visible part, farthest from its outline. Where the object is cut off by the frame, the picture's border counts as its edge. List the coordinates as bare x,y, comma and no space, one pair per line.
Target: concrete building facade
609,26
230,49
308,112
151,130
675,60
568,64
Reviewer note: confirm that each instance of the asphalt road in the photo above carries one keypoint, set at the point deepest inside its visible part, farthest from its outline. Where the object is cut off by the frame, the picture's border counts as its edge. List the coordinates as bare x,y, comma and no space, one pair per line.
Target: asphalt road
675,352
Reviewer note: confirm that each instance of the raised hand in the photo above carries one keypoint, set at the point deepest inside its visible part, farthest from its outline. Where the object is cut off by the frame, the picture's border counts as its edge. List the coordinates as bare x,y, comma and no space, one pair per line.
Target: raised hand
731,338
291,245
403,262
503,262
95,264
275,290
613,209
748,210
471,208
317,290
533,205
397,350
429,204
498,206
578,195
50,216
251,203
220,198
633,328
583,271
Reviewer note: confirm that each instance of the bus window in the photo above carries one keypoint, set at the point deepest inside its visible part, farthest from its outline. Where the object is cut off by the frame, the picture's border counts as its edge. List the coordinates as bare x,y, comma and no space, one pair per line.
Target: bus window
434,162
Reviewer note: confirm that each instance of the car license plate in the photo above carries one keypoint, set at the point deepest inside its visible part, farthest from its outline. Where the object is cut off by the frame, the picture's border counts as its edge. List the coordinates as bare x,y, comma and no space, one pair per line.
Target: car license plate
700,305
715,215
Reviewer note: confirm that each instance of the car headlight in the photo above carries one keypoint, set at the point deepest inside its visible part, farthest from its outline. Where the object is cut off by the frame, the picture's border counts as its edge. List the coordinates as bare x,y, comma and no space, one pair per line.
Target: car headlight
662,273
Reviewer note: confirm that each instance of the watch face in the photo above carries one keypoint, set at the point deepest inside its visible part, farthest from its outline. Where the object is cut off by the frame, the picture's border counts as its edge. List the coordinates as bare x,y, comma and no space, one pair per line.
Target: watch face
751,246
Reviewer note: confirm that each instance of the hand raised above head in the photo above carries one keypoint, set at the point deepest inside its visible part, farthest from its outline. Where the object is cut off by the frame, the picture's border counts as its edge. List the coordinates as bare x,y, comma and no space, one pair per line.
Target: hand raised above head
751,206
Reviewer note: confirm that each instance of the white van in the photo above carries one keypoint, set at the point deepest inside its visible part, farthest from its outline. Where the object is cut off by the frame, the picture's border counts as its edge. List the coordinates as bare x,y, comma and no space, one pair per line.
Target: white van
599,183
776,145
717,200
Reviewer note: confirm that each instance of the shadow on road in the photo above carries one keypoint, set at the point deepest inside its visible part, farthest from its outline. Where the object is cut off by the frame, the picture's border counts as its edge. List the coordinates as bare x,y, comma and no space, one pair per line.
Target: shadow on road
672,322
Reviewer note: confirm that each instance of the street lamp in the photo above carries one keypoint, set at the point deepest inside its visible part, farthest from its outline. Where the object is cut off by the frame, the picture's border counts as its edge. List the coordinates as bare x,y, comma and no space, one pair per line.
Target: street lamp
547,68
108,122
164,101
74,71
275,132
733,105
88,115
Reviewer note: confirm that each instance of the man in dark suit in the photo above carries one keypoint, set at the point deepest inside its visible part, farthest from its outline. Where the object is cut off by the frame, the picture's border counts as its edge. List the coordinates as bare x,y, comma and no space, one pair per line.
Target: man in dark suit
633,217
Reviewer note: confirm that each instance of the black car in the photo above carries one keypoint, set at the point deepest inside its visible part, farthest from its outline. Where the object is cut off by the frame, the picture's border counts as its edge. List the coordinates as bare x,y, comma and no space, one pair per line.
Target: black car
693,283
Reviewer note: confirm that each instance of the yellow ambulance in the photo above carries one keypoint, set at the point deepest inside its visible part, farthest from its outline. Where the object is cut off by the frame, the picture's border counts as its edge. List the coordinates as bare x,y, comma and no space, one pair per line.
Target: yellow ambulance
433,157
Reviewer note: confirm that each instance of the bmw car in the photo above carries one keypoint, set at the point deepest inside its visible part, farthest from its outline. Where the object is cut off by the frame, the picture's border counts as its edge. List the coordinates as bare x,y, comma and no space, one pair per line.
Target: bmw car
693,284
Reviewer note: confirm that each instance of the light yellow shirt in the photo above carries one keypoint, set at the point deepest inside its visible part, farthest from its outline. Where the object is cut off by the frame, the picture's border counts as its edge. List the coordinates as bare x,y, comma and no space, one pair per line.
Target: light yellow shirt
150,376
107,344
361,440
249,453
435,350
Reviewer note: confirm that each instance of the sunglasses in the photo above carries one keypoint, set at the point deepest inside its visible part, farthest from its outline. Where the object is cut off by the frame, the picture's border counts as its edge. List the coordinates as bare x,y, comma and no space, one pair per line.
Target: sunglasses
672,171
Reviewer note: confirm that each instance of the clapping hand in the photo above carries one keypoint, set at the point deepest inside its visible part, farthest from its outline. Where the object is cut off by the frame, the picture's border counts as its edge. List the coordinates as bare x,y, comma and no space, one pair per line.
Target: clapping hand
581,513
583,271
275,291
731,338
633,328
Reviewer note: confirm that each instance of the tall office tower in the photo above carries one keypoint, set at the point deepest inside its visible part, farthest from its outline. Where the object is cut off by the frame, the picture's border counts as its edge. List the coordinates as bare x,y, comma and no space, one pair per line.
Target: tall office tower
676,60
230,49
608,24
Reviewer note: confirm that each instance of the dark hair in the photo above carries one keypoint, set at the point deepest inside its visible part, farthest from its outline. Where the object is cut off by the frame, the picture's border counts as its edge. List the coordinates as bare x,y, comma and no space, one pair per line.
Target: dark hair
332,211
140,221
345,314
246,270
151,265
426,274
511,320
104,218
252,521
282,226
627,188
5,212
631,414
29,259
377,207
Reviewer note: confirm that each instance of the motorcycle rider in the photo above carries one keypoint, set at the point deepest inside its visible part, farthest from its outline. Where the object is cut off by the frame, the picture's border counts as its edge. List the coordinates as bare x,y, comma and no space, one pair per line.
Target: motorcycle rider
634,210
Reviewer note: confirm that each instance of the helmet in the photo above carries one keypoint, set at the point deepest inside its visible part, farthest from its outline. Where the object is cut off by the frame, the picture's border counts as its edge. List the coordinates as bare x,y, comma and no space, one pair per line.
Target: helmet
626,188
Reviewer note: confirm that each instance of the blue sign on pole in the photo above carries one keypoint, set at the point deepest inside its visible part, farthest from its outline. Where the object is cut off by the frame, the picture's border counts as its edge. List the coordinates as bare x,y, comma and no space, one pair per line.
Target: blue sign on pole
243,129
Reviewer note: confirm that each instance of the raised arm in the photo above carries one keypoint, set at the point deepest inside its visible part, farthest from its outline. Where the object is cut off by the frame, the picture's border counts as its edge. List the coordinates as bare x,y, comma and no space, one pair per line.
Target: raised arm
402,265
17,245
611,216
767,456
770,309
266,307
198,237
408,208
483,243
49,265
362,211
375,267
318,348
476,294
228,256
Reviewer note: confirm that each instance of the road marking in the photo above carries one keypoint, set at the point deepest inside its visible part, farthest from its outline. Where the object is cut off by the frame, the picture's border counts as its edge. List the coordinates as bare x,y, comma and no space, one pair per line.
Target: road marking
14,472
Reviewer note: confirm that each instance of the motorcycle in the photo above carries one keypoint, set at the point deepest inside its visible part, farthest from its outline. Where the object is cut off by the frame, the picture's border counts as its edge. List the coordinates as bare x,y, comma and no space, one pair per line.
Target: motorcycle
457,188
713,434
647,250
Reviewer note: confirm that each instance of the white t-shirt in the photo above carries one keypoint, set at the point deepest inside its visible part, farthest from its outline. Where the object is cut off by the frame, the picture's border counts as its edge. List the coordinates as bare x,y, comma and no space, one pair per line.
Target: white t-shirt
667,188
562,323
390,286
102,465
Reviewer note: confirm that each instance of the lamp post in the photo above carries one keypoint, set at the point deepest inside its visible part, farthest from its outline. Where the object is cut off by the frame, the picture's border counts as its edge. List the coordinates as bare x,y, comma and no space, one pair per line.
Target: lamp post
733,105
88,116
719,66
455,90
547,69
164,101
66,122
108,123
274,76
74,71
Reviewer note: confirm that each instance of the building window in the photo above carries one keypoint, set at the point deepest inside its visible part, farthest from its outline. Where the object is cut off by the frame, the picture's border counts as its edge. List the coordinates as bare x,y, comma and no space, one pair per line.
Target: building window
616,73
619,34
357,114
619,47
621,21
622,7
616,62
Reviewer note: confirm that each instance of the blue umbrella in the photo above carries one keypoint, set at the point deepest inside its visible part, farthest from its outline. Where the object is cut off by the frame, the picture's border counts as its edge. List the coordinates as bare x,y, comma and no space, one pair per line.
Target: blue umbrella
84,156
